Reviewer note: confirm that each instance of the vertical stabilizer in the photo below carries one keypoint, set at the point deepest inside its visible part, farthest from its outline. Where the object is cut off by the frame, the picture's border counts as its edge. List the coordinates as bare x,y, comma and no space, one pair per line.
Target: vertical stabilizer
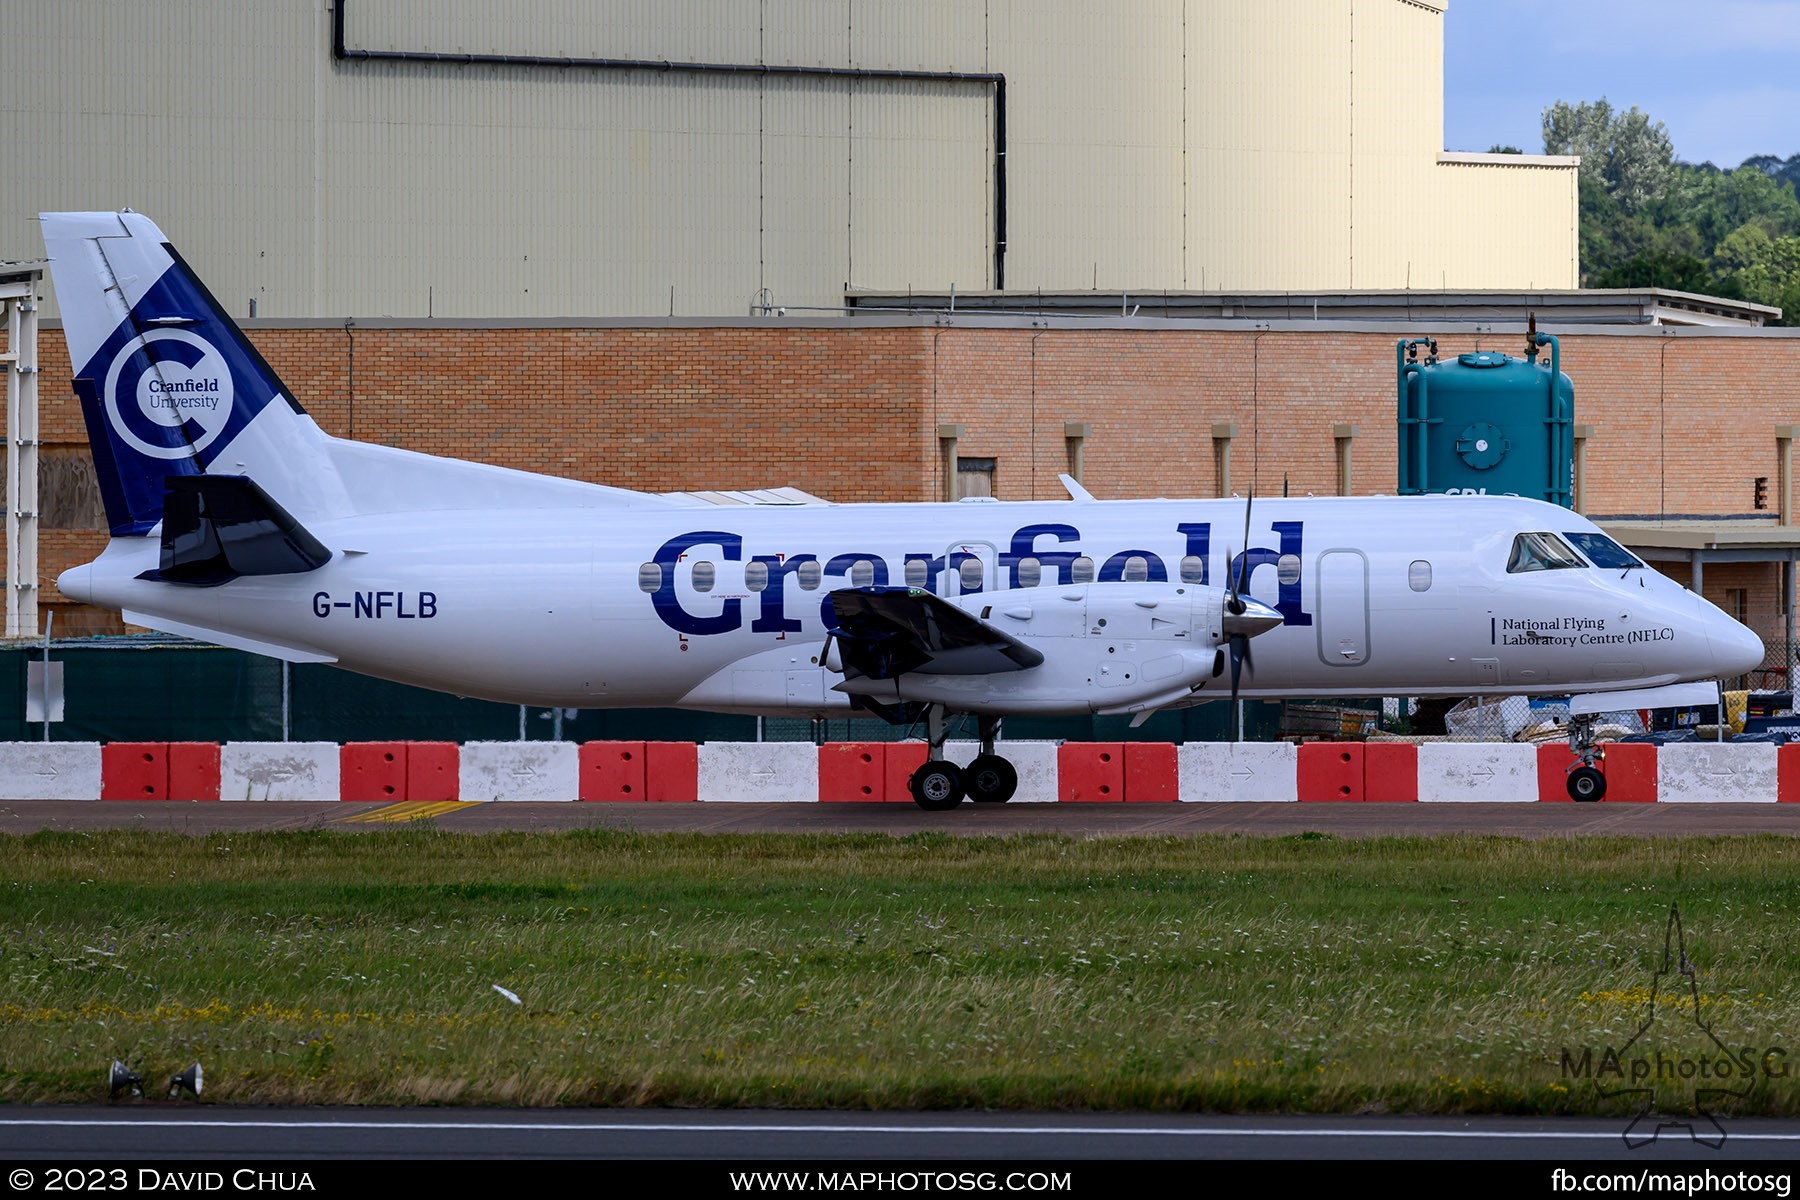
169,385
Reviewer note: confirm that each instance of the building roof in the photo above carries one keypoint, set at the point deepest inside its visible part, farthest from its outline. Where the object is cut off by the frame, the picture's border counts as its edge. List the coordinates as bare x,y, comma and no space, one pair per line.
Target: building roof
1579,306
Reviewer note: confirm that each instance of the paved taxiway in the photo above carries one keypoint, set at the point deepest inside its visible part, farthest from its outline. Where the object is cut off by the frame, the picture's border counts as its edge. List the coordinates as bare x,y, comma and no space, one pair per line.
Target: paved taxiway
159,1132
1079,820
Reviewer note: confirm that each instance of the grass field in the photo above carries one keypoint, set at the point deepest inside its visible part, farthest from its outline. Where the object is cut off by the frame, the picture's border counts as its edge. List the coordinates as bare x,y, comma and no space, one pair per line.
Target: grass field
1299,974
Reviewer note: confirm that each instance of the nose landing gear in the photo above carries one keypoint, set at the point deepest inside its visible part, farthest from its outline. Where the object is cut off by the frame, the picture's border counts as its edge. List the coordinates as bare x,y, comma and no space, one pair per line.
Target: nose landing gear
1586,783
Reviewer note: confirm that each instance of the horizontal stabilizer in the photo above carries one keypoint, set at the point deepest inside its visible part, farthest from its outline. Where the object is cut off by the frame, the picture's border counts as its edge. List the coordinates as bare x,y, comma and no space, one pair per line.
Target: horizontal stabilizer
218,637
1674,695
884,632
217,528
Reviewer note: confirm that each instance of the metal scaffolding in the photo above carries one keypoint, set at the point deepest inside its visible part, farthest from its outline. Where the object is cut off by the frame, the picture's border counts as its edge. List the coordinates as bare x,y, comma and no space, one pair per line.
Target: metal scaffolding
20,287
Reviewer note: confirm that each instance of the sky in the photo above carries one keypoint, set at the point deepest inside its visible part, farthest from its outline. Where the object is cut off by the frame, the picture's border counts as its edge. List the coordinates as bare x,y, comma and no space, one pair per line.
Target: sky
1721,75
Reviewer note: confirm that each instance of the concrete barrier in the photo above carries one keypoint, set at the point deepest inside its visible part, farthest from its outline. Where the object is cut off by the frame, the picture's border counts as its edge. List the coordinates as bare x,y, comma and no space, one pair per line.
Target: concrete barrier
279,771
1034,761
1249,771
760,772
51,770
520,771
1712,771
1482,771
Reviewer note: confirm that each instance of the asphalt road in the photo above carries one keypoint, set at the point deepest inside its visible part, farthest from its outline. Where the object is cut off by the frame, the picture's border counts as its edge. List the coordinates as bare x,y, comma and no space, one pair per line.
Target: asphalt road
1079,820
155,1132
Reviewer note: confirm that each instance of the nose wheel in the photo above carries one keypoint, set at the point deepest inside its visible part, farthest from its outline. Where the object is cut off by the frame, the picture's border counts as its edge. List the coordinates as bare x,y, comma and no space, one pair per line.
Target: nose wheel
1586,783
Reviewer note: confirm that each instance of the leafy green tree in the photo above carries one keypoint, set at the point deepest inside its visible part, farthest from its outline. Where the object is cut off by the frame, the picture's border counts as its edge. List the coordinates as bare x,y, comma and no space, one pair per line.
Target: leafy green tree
1659,269
1629,155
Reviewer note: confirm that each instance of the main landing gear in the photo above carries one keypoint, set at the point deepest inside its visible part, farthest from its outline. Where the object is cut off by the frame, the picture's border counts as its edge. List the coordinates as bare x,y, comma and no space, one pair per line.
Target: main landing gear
1586,783
941,785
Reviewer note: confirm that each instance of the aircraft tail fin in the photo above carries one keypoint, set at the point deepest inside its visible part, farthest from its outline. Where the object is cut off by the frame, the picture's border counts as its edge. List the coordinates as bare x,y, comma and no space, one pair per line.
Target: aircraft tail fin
169,385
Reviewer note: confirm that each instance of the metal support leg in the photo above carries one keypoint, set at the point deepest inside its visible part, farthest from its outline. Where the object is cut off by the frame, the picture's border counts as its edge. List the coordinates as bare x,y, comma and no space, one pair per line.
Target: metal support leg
990,731
937,728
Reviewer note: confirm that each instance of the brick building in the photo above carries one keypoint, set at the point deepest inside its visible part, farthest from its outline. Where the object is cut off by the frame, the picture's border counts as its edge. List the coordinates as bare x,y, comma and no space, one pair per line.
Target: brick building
1680,422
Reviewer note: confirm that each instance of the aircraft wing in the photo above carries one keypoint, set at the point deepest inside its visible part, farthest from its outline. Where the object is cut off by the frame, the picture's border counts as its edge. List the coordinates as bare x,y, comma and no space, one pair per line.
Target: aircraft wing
884,632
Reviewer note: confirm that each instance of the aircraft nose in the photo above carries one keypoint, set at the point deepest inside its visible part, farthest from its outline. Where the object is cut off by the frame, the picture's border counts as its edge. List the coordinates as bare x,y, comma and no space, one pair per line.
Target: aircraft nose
1736,650
1256,618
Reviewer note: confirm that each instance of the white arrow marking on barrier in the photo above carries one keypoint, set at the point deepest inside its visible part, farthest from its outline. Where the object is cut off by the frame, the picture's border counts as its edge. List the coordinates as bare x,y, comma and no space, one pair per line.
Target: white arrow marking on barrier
1485,772
525,772
1246,773
52,773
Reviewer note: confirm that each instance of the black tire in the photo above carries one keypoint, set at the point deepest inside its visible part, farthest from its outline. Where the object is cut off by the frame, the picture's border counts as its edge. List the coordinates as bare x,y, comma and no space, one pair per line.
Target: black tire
990,779
1586,784
937,786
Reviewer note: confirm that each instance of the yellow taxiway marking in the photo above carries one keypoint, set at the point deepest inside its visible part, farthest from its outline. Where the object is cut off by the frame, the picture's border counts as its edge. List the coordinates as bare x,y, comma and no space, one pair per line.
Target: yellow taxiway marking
409,810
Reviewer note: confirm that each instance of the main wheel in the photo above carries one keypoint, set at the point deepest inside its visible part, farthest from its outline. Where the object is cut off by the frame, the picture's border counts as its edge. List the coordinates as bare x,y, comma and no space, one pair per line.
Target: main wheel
1586,783
937,786
991,779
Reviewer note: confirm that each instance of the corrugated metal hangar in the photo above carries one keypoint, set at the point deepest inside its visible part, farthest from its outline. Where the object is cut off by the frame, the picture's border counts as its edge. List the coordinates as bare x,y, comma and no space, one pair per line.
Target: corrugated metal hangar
697,157
560,236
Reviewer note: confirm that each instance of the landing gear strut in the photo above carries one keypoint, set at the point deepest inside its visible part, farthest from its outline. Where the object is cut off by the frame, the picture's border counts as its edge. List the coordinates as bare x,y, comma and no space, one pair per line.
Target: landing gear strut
941,785
1586,783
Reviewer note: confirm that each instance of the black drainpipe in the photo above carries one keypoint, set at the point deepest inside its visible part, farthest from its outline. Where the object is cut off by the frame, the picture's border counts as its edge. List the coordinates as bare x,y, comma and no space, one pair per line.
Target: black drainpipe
340,52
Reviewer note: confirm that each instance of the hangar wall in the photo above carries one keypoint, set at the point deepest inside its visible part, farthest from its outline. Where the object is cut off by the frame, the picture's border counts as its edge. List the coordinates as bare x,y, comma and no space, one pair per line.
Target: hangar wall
1179,144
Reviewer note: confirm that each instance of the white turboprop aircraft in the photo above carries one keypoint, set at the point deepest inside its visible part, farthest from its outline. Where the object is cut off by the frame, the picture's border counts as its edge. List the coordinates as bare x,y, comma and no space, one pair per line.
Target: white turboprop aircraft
236,520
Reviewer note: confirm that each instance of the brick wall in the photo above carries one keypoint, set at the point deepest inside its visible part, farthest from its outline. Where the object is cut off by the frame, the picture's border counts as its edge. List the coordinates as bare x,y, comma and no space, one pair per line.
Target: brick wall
1682,424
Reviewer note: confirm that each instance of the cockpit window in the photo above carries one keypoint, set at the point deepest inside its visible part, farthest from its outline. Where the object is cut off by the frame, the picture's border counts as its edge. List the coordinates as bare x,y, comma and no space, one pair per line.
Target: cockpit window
1541,552
1602,551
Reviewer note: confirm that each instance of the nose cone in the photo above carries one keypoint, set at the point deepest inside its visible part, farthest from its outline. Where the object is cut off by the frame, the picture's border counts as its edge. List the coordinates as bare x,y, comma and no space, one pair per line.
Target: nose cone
75,583
1256,618
1736,649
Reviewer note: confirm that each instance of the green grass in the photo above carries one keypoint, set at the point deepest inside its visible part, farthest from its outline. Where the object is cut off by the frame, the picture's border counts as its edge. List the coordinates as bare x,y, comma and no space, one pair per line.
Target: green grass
1256,974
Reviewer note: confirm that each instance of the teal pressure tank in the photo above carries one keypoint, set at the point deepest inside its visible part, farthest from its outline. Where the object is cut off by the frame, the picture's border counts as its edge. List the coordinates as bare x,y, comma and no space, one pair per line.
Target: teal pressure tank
1486,423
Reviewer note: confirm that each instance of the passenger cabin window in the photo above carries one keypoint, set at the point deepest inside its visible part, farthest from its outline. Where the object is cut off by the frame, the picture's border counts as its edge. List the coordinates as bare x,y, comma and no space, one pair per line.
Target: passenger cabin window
1287,569
649,577
970,570
1031,572
915,572
862,573
704,575
1082,570
756,576
1193,569
1137,569
808,575
1541,552
1602,551
1418,575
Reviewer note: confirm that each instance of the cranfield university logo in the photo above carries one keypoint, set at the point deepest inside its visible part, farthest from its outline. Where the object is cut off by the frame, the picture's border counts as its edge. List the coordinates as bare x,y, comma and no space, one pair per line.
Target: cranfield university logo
168,393
1675,1070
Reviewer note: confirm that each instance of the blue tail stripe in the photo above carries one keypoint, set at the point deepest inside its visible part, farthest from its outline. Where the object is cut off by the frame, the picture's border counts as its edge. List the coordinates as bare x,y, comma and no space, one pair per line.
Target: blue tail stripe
134,501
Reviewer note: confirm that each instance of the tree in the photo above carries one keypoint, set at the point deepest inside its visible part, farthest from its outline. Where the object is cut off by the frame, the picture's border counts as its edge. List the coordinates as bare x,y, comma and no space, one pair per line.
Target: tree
1629,156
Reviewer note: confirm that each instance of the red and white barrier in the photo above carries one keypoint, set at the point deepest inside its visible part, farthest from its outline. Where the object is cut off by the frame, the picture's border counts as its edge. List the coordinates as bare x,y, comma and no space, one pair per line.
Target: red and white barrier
878,772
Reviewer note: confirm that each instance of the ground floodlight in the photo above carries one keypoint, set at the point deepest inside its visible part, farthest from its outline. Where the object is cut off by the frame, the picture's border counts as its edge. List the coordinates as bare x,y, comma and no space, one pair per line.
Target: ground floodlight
188,1080
121,1078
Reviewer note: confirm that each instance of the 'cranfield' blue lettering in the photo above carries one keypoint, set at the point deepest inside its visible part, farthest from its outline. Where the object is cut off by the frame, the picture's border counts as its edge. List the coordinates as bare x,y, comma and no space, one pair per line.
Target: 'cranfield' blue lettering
1058,564
668,605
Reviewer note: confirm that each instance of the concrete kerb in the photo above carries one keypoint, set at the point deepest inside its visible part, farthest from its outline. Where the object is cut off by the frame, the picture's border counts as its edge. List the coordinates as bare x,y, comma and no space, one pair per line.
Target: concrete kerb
51,770
1711,771
519,771
759,772
279,771
1484,772
1251,771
